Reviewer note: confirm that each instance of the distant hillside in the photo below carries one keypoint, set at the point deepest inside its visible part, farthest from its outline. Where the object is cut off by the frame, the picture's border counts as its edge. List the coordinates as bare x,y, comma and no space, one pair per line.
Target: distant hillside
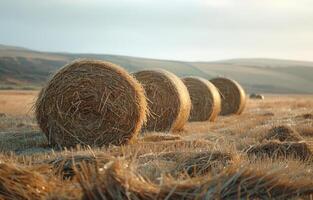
22,68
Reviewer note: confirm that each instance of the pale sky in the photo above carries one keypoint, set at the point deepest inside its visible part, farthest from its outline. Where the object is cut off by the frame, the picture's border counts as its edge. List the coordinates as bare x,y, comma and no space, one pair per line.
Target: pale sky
167,29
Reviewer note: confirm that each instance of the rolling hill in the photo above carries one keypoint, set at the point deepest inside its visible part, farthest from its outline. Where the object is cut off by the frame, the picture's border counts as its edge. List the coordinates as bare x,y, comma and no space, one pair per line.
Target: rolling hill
25,68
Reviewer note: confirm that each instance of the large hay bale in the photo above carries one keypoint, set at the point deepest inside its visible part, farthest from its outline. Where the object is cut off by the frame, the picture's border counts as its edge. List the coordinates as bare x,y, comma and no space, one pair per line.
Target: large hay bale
168,100
93,103
205,99
232,94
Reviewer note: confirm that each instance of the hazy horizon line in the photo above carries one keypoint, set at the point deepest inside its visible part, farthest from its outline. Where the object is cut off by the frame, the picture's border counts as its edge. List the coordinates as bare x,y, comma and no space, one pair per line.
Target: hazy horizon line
152,58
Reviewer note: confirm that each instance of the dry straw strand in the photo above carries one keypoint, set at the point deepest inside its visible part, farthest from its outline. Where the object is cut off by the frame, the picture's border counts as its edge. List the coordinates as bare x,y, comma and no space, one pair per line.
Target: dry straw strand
158,137
19,183
119,181
205,99
276,149
201,163
169,100
91,102
232,94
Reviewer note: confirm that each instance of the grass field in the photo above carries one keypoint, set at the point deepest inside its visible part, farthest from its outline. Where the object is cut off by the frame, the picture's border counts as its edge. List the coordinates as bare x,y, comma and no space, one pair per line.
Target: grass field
17,102
236,157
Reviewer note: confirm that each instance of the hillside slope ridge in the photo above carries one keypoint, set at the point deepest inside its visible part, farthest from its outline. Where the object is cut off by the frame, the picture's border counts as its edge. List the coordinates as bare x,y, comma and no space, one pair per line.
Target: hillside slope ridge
20,67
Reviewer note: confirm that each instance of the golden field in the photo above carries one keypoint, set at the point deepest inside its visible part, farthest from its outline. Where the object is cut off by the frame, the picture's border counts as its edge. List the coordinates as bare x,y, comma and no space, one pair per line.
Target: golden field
17,102
236,157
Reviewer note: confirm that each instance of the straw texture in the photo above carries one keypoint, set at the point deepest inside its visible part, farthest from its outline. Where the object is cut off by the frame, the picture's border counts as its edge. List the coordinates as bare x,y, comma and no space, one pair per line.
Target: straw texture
93,103
232,94
205,99
169,100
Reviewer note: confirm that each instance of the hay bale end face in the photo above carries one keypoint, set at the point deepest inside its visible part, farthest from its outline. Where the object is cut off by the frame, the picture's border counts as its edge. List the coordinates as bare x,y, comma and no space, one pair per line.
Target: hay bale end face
232,94
205,99
168,100
92,103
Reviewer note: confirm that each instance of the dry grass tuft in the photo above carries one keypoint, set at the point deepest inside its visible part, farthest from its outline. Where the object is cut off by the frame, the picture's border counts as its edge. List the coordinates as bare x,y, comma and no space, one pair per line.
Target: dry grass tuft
141,148
306,130
20,183
236,182
67,166
205,162
276,149
182,163
232,94
118,180
169,100
201,163
205,99
306,116
158,137
92,103
172,156
283,133
268,114
154,170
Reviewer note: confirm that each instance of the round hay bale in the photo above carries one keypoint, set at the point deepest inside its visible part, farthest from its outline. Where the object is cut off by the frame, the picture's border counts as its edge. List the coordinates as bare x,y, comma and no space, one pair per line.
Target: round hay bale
168,100
205,99
232,94
92,103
